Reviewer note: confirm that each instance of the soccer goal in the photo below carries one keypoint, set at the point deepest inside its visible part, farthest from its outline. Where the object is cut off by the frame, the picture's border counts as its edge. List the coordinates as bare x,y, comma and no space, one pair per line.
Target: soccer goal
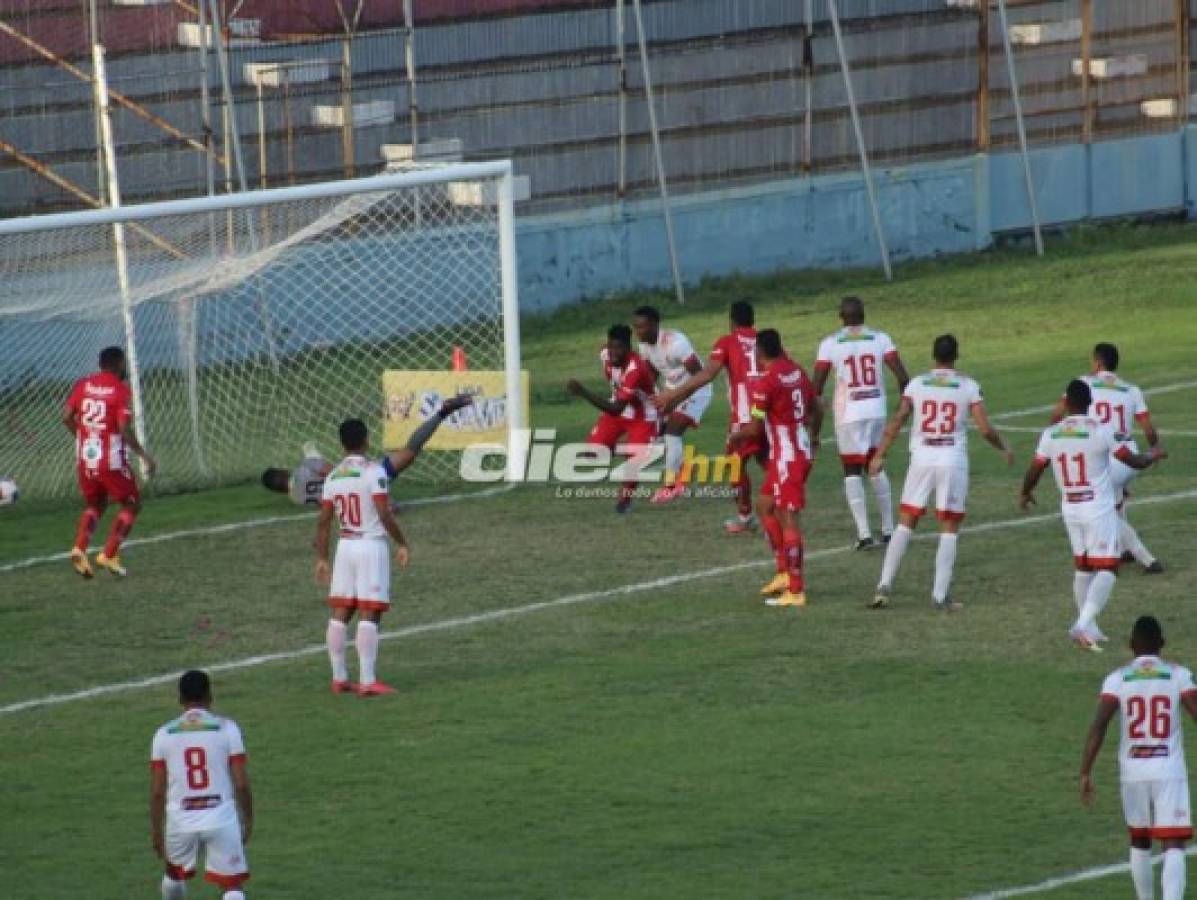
255,322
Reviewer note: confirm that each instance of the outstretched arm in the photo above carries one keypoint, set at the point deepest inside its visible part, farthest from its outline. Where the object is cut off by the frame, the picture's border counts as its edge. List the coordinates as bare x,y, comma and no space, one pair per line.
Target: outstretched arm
667,401
577,389
398,460
1106,707
991,435
892,430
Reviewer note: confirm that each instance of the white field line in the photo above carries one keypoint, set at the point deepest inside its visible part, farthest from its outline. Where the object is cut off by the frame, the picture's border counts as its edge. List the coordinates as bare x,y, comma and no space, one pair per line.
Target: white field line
1035,429
1150,392
496,615
1083,875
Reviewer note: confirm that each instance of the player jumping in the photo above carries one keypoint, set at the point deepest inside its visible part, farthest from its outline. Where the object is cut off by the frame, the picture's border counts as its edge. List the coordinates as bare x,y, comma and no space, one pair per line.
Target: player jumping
856,353
1081,452
784,406
99,414
1149,694
629,413
671,354
198,782
942,401
305,482
734,352
1118,404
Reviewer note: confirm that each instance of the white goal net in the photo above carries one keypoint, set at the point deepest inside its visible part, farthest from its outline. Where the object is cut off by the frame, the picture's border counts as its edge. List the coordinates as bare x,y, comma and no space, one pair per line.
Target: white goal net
255,322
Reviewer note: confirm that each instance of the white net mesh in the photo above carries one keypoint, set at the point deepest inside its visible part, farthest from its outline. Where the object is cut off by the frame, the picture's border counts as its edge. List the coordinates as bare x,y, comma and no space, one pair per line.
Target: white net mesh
255,329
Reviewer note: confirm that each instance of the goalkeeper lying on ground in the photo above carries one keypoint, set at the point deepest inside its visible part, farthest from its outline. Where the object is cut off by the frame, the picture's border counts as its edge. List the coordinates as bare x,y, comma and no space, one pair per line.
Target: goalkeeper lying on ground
305,483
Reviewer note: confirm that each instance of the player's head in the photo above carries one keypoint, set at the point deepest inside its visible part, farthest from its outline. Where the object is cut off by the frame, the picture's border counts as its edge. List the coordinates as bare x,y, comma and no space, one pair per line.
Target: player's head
112,360
354,435
1077,397
852,311
277,480
646,320
195,689
768,346
1147,637
619,344
741,314
945,350
1105,358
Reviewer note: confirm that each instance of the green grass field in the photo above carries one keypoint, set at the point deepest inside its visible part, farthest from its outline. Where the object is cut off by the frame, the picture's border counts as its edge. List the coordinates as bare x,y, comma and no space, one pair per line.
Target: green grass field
649,738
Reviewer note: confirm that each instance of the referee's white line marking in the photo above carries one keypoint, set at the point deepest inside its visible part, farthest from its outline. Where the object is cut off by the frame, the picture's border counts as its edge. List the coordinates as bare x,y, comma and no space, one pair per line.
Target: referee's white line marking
1083,875
496,615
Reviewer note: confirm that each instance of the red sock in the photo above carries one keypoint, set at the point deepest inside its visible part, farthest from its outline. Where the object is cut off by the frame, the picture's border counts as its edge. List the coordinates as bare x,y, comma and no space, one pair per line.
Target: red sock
87,527
120,530
776,541
744,493
792,541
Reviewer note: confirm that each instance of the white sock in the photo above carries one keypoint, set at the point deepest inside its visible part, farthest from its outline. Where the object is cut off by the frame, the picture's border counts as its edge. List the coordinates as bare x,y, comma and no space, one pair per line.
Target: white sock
1080,589
1141,874
894,552
1096,599
335,638
173,890
674,453
885,502
945,562
855,492
233,895
1173,880
366,642
1129,539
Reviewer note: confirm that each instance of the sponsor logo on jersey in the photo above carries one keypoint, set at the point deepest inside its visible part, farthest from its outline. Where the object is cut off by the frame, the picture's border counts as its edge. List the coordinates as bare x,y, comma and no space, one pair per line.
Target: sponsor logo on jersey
1070,431
1108,383
345,473
941,381
186,726
1152,751
192,804
1147,672
852,338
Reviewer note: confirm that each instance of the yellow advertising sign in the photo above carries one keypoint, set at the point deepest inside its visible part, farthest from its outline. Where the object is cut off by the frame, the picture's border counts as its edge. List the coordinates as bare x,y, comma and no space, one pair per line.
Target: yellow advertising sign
412,396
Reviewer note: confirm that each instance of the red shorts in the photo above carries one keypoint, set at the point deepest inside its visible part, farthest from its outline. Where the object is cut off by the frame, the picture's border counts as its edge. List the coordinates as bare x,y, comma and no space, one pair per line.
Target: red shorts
609,429
786,483
100,486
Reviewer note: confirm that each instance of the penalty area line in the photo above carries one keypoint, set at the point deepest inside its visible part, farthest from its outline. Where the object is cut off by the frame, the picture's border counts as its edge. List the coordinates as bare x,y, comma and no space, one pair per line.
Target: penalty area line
511,612
1050,884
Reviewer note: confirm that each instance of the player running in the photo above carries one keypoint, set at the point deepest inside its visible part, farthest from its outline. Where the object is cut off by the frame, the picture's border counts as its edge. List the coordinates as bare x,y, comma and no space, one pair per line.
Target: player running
1118,404
1081,452
735,353
942,401
1149,694
198,782
99,414
672,356
784,406
629,413
856,353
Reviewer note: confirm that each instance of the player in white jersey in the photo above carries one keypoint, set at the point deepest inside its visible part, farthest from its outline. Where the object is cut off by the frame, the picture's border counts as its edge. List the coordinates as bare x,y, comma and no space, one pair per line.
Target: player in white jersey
1081,452
1119,405
941,402
674,359
856,354
198,782
1149,694
303,484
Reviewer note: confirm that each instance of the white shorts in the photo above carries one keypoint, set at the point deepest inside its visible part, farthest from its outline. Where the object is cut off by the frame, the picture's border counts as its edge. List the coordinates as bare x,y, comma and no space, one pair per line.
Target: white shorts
361,575
1157,809
224,857
695,405
950,484
857,440
1095,542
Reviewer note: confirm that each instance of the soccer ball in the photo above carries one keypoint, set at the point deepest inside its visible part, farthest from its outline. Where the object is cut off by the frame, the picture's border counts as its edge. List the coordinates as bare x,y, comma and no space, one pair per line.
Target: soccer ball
9,492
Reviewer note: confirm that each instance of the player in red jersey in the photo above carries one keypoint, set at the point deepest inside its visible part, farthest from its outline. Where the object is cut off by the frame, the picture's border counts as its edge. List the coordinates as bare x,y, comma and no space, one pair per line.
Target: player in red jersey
630,413
99,415
734,352
784,406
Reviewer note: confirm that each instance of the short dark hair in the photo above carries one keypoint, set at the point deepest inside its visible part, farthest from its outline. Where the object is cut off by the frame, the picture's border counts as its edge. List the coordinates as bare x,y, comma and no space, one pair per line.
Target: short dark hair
1108,354
742,314
769,342
621,333
111,357
1147,635
354,434
648,312
945,349
276,480
852,308
1078,396
194,687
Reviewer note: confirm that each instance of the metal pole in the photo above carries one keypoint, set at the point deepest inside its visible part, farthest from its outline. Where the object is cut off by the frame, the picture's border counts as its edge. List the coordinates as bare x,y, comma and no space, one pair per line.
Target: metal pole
348,151
1182,62
808,80
118,239
621,56
409,58
509,287
206,101
226,89
93,24
1086,64
1022,131
860,143
983,77
656,136
261,136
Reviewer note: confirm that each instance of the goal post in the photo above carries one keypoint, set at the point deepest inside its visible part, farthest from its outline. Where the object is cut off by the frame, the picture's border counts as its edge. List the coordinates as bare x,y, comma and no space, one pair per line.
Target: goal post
258,321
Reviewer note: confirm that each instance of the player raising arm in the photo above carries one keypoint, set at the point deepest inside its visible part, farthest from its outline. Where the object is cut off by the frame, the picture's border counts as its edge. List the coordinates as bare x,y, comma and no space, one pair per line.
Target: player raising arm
1149,694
